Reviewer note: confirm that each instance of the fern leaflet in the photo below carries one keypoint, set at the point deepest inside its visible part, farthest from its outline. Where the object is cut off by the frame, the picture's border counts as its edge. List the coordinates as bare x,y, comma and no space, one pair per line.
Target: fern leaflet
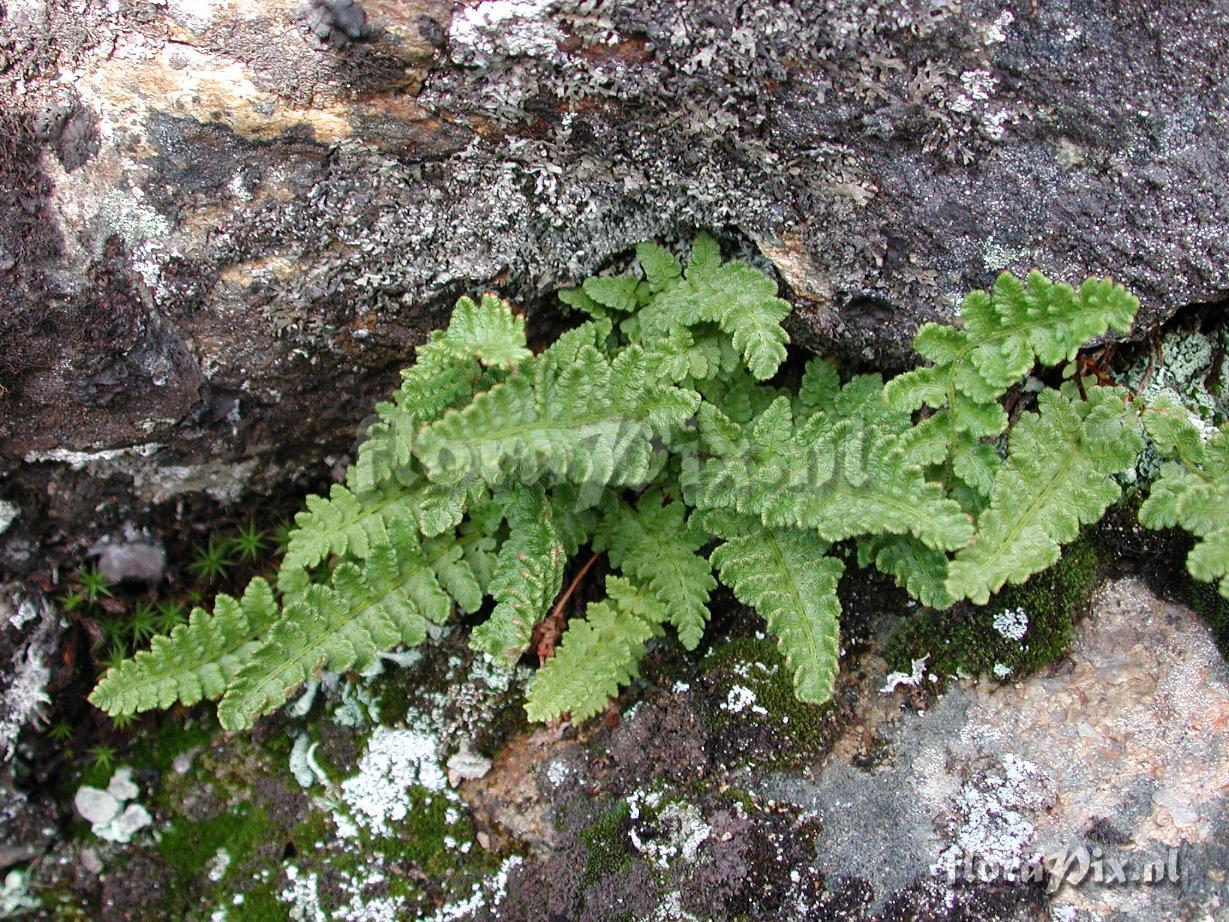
1058,476
597,654
198,660
654,544
526,578
1192,491
783,574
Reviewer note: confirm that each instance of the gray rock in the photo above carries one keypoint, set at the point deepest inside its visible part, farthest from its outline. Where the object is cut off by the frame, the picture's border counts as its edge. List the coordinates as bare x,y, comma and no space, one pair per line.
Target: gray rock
1119,756
133,559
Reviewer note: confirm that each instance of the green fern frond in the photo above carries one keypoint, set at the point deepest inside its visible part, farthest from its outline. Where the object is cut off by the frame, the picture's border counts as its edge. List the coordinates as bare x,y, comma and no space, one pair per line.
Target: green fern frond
346,524
617,292
1191,492
783,574
1059,475
1006,332
591,421
343,625
840,477
916,568
661,269
488,331
197,660
527,577
818,390
653,543
597,655
742,301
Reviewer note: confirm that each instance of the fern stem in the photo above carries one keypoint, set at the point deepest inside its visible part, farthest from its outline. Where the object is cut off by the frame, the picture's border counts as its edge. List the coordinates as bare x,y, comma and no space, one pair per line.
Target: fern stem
557,610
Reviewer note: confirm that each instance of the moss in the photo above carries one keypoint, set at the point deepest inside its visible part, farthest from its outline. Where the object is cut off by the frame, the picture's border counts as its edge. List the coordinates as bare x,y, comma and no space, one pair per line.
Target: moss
776,727
189,847
260,904
169,738
421,837
606,843
963,640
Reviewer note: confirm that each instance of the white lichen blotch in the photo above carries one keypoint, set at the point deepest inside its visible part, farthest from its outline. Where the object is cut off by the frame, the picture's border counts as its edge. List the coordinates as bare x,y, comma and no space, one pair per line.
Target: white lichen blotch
395,761
1011,623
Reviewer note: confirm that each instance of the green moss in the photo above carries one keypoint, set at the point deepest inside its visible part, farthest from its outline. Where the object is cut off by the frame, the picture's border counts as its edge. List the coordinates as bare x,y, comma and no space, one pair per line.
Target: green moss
964,641
260,904
189,847
168,738
793,730
606,843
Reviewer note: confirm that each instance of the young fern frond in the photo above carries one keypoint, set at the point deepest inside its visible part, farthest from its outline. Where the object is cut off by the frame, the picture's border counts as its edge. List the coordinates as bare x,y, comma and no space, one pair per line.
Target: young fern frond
655,545
1005,333
598,654
742,302
488,331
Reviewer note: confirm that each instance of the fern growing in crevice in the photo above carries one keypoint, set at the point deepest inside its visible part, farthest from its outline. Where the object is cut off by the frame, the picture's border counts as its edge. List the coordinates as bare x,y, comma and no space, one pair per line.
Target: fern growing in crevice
654,434
1192,491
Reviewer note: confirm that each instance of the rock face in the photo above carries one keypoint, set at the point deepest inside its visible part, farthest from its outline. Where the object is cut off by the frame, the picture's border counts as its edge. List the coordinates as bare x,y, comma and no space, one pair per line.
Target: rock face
1114,761
716,797
224,224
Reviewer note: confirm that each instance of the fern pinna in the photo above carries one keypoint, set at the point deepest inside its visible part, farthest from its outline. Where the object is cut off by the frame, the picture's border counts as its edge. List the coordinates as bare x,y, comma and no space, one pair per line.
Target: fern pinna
658,432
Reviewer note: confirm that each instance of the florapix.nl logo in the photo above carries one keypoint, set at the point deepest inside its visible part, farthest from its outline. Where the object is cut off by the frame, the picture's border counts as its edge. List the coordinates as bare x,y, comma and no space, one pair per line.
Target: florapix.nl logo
1071,867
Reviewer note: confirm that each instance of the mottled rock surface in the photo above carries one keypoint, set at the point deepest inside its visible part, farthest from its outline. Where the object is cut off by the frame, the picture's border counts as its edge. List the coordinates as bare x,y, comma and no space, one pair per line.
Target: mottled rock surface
713,797
1121,749
224,224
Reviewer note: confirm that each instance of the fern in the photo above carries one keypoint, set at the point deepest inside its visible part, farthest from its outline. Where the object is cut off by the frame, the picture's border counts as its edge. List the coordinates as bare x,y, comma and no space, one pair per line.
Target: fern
783,574
654,545
526,578
197,660
343,625
1192,491
491,466
1006,332
1058,476
597,655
